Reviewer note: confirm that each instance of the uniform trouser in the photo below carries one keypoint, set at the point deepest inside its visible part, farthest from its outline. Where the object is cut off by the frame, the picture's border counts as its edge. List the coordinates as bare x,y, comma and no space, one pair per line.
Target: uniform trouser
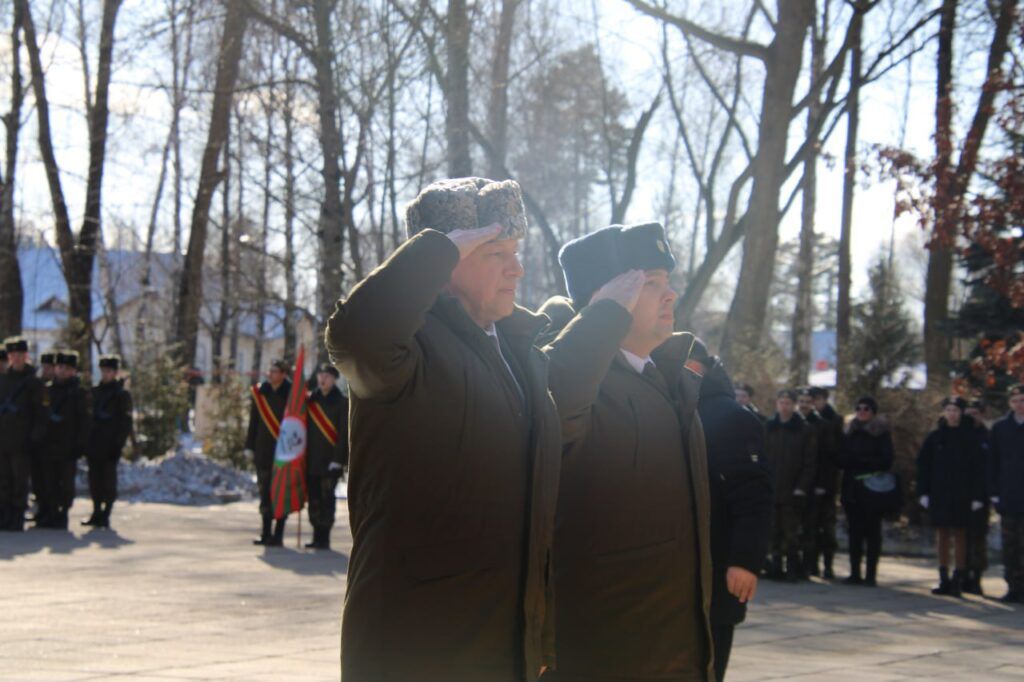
321,500
819,526
977,540
1013,551
15,469
865,529
786,529
264,477
103,479
722,635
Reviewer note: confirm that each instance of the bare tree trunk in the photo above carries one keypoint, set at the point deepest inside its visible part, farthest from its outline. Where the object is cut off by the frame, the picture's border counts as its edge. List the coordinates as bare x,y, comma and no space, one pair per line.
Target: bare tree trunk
497,106
803,314
191,288
221,323
290,342
843,298
745,323
457,90
11,292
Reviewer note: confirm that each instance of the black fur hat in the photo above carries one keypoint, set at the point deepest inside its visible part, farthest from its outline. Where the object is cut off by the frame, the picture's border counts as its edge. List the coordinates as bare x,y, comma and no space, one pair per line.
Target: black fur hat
66,357
48,357
594,259
16,344
111,361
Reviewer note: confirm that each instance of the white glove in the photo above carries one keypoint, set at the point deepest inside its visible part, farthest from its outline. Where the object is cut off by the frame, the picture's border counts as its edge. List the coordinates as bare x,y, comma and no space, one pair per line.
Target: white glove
995,500
623,289
334,466
976,505
468,241
248,454
924,501
797,492
819,491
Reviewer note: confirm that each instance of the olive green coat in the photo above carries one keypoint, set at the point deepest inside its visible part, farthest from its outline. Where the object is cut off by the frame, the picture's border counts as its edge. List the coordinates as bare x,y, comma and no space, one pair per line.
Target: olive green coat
452,483
632,539
792,451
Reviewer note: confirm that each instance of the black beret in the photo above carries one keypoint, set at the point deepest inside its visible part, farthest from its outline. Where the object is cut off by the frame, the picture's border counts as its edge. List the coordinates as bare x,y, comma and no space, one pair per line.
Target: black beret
328,368
66,357
15,344
869,403
594,259
956,401
111,361
1016,389
787,393
48,357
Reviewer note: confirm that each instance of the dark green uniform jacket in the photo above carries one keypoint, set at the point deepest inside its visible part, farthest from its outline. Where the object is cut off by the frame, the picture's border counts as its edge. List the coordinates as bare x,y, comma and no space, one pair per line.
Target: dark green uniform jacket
259,439
792,451
23,421
830,433
68,434
632,538
111,420
319,451
452,480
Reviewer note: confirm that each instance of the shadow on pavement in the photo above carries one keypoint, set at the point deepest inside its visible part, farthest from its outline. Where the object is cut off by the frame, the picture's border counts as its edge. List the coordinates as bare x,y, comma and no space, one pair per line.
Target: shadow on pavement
57,541
308,562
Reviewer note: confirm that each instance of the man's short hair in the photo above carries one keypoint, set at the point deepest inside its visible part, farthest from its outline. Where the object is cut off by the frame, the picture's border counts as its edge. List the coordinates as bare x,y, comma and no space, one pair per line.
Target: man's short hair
819,392
328,368
1015,390
279,364
787,393
746,388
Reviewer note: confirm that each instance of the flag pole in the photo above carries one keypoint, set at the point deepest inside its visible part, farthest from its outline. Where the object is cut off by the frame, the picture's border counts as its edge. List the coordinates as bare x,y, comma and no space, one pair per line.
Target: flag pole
298,529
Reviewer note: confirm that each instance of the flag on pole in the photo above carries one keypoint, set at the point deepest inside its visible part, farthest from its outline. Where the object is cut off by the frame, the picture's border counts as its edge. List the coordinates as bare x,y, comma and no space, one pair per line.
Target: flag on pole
288,489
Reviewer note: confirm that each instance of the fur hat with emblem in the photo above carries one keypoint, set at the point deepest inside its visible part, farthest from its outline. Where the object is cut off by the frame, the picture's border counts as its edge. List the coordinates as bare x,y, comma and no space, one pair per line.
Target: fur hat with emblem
466,204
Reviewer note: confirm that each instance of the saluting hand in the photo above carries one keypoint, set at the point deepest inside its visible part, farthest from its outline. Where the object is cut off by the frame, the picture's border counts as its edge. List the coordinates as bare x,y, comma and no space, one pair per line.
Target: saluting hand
624,289
468,241
741,583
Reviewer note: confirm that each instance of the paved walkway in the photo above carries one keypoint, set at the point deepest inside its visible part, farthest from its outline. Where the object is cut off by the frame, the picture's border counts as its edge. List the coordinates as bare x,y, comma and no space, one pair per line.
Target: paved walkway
178,593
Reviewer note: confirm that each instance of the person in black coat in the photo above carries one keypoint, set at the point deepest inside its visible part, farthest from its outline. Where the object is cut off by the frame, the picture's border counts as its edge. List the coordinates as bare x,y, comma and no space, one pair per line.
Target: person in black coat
1006,487
111,427
826,485
866,448
951,485
741,506
977,531
326,451
265,414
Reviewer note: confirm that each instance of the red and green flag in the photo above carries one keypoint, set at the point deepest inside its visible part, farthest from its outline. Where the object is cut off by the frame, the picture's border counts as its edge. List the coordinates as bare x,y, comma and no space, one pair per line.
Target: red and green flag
288,489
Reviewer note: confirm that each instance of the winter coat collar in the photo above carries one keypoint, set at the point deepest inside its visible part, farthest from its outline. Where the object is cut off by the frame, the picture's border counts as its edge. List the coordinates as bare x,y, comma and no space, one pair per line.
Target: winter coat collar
794,423
829,412
877,426
283,390
966,424
812,417
518,329
332,396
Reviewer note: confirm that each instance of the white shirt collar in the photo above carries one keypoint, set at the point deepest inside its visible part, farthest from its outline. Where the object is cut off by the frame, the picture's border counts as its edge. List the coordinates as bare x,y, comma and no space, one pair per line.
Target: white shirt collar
635,361
492,330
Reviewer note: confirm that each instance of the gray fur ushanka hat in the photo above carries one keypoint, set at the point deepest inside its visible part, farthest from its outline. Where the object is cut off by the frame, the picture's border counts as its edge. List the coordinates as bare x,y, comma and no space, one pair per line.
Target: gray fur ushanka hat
466,204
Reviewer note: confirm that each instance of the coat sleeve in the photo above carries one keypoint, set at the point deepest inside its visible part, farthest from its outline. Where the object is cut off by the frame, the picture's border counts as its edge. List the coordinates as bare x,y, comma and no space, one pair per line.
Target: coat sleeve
747,493
370,336
579,360
809,457
250,434
924,466
341,447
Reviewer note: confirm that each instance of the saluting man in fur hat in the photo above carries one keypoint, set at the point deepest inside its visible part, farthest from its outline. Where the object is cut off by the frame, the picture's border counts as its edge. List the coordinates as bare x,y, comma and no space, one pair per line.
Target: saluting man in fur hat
453,468
632,561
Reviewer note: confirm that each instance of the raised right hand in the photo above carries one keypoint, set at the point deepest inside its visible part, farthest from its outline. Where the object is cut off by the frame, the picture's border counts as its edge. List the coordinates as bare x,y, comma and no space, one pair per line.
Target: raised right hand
624,289
468,241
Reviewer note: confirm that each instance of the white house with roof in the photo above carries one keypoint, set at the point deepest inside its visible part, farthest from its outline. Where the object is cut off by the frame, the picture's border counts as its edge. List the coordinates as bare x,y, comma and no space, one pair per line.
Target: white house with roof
143,313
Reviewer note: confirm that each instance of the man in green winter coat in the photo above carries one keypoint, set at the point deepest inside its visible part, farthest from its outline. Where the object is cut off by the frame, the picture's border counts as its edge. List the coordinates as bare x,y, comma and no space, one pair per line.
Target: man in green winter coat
23,425
326,451
455,450
111,427
632,553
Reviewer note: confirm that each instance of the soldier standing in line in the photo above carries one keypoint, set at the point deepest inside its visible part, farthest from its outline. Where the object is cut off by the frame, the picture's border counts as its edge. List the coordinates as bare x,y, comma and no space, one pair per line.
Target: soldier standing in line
23,424
111,426
744,396
268,403
47,366
66,440
46,374
1006,488
826,485
977,531
791,448
326,451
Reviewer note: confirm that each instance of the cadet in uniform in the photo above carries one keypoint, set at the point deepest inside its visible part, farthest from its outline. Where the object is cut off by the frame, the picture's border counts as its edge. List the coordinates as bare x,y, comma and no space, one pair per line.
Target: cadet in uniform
23,424
826,483
326,451
46,374
265,415
111,426
66,441
1006,487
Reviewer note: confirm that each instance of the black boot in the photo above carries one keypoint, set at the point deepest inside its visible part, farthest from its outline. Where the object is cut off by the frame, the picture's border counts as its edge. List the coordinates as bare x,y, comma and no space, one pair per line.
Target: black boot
794,568
43,517
775,571
60,520
854,578
972,583
94,517
828,573
277,539
325,538
871,572
16,520
956,583
944,583
264,538
315,542
104,519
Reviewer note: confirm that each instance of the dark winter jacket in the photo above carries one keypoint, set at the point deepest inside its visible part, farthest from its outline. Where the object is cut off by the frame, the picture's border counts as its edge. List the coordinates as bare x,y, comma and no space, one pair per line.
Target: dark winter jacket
111,420
1006,473
830,433
259,438
68,434
950,471
792,450
865,448
452,480
23,415
741,490
632,540
320,453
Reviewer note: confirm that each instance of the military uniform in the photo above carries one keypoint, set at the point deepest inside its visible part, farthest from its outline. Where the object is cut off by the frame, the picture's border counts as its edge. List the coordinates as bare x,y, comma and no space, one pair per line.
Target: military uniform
265,415
66,440
977,529
326,457
820,521
23,425
46,369
791,449
1006,486
111,427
